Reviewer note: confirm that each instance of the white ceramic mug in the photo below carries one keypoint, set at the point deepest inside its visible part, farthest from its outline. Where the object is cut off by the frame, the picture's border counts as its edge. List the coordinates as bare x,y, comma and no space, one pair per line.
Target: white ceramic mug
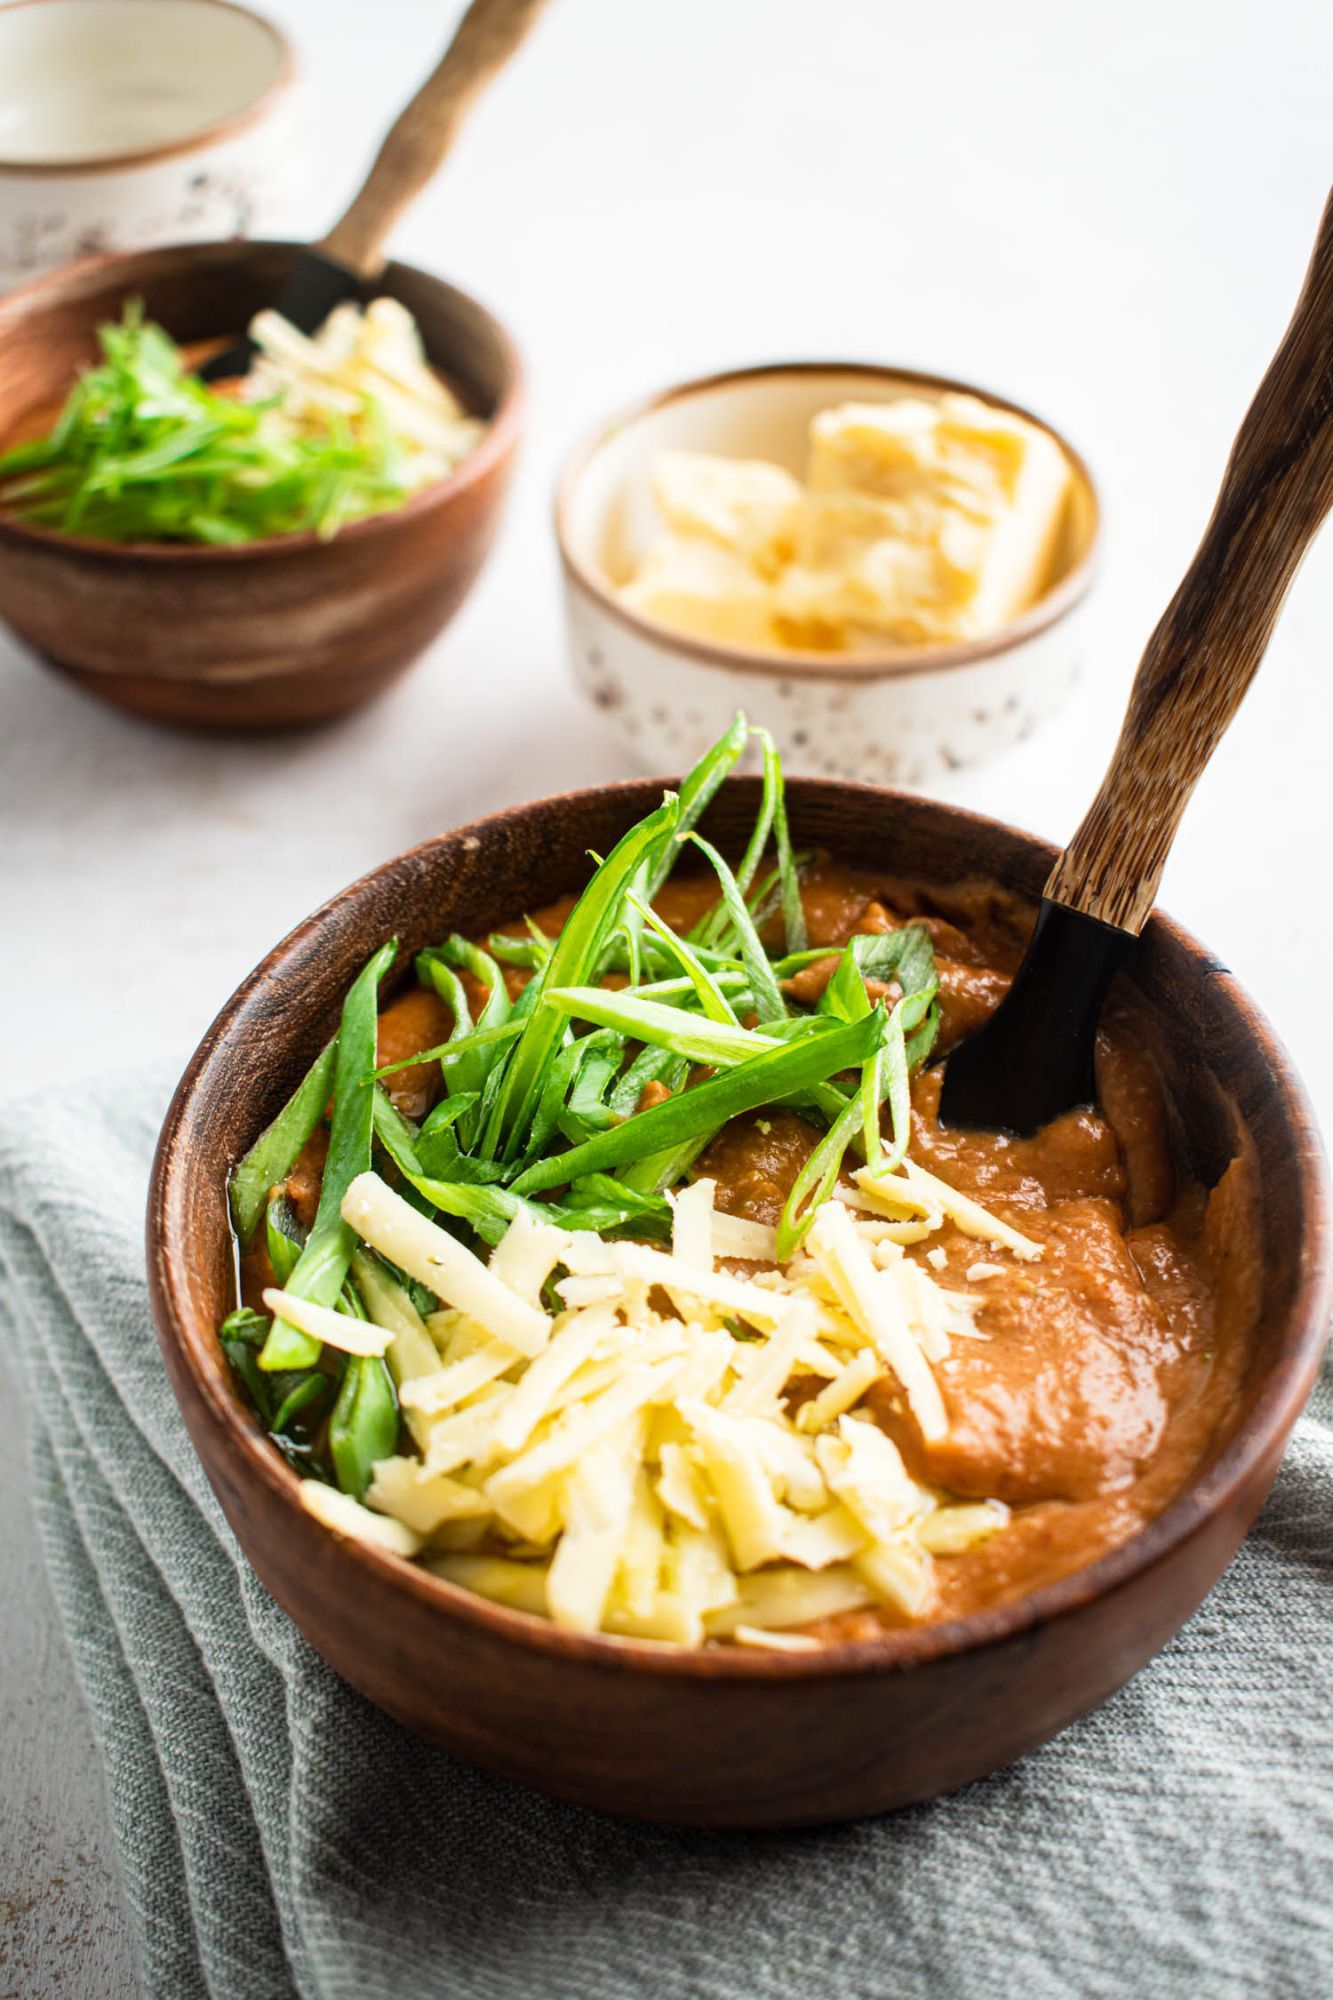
130,123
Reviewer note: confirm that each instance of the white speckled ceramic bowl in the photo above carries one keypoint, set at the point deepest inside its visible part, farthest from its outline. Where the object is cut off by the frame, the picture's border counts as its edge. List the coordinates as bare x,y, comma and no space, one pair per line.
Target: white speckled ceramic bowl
125,124
900,716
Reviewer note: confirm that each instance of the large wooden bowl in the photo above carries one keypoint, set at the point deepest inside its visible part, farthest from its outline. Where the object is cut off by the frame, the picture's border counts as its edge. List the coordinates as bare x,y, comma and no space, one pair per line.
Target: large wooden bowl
727,1738
266,634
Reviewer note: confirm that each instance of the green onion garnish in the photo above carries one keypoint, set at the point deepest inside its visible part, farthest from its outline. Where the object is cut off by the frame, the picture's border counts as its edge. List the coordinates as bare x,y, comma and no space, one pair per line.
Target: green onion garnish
540,1114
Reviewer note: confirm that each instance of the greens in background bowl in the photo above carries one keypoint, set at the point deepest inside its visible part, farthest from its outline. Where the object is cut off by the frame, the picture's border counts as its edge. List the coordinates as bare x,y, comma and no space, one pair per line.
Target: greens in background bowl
323,432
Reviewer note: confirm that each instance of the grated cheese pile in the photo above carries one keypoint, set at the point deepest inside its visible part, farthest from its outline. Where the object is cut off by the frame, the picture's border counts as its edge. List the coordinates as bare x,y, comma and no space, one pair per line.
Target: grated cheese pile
681,1451
364,367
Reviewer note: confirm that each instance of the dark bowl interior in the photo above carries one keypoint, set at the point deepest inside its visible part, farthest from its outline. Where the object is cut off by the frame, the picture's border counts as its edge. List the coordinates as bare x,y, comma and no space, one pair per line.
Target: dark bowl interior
727,1737
268,633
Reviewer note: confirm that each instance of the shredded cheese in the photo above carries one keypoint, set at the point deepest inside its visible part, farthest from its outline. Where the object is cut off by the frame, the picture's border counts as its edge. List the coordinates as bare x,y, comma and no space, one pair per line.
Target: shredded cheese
749,1242
347,1516
362,361
846,1262
692,1224
846,1388
680,1452
967,1214
335,1329
775,1642
441,1263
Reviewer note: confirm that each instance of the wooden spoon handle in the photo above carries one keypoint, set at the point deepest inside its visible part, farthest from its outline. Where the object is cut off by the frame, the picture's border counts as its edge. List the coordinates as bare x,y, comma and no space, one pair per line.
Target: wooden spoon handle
417,142
1277,488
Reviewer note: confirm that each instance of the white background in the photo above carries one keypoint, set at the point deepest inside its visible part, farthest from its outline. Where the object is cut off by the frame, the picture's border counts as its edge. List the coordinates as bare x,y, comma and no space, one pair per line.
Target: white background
1102,212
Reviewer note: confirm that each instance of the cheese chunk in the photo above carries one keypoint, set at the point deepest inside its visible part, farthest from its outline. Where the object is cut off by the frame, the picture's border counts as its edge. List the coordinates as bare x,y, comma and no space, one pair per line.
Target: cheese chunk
972,501
696,586
742,504
925,520
685,1458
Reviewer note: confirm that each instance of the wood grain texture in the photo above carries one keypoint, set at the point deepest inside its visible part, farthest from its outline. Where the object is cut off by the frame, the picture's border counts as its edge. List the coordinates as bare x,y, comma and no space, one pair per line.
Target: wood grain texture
267,634
417,143
723,1737
1276,491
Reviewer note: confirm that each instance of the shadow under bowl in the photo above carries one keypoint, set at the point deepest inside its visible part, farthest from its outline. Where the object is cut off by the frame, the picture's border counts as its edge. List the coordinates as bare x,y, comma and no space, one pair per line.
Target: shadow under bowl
267,634
726,1737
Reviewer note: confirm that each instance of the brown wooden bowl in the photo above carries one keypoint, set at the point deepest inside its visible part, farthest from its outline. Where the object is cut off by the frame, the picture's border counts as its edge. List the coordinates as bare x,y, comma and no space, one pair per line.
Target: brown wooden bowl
268,634
724,1737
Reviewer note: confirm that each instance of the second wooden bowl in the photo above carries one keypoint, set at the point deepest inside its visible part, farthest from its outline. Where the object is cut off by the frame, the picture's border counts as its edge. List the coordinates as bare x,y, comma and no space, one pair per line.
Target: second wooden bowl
724,1737
266,634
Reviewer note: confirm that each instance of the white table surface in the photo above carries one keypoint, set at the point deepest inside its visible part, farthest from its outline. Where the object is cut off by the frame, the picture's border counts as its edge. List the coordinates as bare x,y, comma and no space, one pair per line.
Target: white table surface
1104,214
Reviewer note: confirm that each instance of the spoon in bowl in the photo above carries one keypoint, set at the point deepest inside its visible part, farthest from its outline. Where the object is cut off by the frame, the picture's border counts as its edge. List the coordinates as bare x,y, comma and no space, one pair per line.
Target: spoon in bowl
414,148
1033,1058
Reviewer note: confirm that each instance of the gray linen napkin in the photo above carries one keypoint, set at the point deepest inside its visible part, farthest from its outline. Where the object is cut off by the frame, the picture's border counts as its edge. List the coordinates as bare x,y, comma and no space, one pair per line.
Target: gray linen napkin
278,1835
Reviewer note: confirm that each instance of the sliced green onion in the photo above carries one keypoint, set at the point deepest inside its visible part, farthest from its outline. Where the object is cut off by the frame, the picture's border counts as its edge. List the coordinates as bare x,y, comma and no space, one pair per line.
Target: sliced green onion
524,953
284,1237
585,1110
769,1003
845,996
690,1035
816,1181
243,1360
245,1325
277,1148
321,1268
435,972
709,989
437,1141
143,451
705,1109
449,1054
364,1425
656,1172
697,792
577,954
793,912
490,1210
468,957
604,1191
309,1389
651,1065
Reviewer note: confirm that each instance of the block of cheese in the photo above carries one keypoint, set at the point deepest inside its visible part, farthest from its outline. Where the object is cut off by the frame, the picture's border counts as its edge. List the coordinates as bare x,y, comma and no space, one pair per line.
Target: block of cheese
871,569
977,495
925,520
697,586
887,590
745,504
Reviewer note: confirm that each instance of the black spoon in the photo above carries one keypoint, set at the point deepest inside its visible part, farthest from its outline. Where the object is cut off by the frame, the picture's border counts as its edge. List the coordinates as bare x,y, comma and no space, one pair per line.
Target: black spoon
339,266
1033,1059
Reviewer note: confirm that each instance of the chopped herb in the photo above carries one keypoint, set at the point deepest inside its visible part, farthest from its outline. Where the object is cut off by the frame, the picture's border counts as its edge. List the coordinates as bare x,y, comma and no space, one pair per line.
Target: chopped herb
144,451
543,1092
321,1268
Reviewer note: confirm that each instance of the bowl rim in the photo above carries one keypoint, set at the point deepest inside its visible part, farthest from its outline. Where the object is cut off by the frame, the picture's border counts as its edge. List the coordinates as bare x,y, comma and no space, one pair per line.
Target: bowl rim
889,662
213,133
1270,1416
496,442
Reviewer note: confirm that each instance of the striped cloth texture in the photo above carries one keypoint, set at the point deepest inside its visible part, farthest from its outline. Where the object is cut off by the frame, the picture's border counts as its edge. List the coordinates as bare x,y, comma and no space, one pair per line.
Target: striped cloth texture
278,1836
